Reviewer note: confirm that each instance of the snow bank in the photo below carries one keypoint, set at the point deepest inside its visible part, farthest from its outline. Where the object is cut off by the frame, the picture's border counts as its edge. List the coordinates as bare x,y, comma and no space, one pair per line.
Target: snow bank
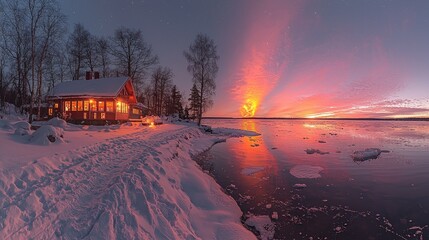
5,125
47,134
57,122
306,171
9,112
139,185
369,153
22,128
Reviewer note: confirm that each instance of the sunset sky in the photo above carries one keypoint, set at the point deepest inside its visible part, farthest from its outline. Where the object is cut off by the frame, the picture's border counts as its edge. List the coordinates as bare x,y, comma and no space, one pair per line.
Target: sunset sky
333,58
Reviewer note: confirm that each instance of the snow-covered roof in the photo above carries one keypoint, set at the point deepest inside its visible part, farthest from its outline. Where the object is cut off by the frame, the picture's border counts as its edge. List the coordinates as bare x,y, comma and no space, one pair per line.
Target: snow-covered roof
103,87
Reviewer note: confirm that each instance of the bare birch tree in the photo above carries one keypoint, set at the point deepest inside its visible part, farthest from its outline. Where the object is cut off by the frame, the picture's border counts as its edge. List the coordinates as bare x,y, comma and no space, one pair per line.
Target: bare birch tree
161,84
76,47
202,64
102,50
133,56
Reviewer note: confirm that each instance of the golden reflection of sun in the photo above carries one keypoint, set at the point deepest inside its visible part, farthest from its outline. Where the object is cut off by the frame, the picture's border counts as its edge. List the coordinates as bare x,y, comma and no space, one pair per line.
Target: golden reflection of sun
248,109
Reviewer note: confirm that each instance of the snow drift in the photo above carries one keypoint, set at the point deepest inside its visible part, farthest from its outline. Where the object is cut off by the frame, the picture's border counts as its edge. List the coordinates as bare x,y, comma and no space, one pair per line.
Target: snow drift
47,134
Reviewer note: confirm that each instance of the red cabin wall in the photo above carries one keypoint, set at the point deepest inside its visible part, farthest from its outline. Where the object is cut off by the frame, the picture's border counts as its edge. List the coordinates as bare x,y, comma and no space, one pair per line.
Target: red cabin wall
90,114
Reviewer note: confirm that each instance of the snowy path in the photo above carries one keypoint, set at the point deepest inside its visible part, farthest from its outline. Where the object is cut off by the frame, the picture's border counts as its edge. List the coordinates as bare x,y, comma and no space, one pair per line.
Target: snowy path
130,187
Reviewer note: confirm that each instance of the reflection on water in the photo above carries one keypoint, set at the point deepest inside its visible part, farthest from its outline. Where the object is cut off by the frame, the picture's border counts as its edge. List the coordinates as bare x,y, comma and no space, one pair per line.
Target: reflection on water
383,198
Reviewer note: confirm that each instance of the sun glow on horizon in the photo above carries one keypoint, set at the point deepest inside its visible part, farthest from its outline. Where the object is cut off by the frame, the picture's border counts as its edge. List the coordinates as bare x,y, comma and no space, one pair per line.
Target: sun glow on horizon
249,108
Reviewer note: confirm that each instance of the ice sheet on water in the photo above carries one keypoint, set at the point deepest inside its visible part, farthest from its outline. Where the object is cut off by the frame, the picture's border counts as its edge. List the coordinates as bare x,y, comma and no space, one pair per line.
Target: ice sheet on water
306,171
234,132
251,170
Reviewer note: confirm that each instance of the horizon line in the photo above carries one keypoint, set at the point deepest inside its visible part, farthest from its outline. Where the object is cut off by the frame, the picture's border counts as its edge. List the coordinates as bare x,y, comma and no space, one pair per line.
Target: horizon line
303,118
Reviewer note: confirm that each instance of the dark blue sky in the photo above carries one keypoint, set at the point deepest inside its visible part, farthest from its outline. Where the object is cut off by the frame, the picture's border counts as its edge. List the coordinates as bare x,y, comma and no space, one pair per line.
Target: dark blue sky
288,58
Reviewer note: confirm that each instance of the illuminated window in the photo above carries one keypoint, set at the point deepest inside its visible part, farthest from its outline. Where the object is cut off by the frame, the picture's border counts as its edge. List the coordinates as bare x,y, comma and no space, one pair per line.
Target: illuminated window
93,106
50,111
79,106
109,106
118,106
95,115
103,115
85,105
123,107
56,105
73,105
85,116
101,106
136,111
67,105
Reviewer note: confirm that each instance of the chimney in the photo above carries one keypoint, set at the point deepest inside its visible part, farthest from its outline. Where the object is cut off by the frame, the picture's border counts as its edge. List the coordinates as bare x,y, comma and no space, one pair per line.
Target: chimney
96,75
88,76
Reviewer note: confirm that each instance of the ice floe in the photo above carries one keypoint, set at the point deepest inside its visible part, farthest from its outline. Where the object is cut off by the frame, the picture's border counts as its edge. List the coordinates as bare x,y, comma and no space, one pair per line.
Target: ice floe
263,225
251,170
312,151
300,185
369,153
306,171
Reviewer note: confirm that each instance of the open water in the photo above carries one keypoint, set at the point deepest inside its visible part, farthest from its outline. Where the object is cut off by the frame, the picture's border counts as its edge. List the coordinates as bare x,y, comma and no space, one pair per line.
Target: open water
382,198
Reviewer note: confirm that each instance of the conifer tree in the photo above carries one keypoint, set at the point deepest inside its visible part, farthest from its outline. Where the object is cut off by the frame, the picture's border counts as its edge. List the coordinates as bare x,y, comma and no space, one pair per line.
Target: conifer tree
194,102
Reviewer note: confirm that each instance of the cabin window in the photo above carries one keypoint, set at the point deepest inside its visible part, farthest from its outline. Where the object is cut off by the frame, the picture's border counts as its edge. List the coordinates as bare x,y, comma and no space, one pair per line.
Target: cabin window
56,105
67,105
50,110
85,105
136,111
94,106
74,106
118,107
103,115
95,116
85,115
109,106
79,106
101,106
121,107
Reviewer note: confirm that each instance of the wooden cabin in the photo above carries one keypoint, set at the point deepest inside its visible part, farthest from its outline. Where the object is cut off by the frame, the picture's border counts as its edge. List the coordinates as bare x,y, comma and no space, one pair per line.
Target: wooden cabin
93,101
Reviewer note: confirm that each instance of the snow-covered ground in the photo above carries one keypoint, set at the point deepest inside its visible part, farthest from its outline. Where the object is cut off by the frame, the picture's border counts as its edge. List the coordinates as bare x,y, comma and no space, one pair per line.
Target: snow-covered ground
112,182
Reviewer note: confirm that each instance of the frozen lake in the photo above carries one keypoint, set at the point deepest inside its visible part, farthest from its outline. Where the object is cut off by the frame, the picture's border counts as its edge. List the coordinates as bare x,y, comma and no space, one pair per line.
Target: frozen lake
301,173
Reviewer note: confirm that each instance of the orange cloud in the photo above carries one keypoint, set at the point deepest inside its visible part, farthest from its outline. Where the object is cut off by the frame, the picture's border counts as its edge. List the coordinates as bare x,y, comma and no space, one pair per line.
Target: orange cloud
333,85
